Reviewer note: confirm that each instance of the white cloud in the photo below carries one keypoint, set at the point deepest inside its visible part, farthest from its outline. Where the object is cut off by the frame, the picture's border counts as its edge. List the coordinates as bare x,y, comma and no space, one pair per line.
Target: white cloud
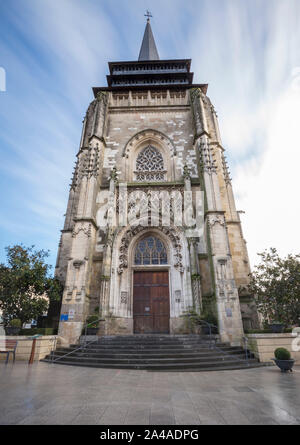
267,186
57,50
247,57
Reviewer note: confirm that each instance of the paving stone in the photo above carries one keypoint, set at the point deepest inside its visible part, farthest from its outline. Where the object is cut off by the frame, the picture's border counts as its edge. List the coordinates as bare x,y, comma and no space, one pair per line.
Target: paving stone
242,389
186,415
45,396
115,414
138,414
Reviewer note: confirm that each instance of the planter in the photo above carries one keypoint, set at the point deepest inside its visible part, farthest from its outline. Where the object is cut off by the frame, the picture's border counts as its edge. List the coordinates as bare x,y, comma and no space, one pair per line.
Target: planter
92,331
284,365
12,330
277,328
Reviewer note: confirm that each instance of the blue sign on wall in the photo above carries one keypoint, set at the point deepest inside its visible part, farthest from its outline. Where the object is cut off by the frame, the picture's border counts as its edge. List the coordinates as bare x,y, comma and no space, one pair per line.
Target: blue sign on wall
64,317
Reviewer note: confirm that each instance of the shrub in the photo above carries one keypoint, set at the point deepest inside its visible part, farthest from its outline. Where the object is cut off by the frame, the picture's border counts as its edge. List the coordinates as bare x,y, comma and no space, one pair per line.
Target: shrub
210,318
41,331
265,331
92,321
275,284
282,354
257,331
15,323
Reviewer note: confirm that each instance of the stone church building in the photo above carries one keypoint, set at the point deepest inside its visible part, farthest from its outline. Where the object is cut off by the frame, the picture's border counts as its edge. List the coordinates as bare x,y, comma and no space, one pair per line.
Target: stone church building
152,131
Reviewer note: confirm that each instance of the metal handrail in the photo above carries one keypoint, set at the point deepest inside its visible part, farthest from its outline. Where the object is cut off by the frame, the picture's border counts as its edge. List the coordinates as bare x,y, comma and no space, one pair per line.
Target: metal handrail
89,324
73,350
82,346
53,348
210,326
245,340
212,341
213,344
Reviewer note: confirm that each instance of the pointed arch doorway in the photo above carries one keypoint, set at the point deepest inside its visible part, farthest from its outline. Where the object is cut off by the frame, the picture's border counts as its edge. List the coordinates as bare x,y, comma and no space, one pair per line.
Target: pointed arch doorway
151,301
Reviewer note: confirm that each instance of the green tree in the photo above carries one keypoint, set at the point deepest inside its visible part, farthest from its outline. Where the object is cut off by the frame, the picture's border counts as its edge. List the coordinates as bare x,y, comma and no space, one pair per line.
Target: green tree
275,284
26,287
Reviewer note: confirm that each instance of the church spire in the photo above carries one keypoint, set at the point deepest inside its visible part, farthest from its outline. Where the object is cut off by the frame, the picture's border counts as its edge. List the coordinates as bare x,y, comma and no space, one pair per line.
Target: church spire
148,49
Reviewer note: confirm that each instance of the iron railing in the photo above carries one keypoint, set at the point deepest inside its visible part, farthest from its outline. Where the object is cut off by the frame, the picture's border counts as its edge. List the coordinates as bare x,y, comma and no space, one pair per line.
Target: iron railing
83,345
213,340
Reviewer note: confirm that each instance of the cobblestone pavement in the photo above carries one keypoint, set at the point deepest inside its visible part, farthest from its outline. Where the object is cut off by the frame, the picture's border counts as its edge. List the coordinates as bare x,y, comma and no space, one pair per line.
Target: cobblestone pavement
57,394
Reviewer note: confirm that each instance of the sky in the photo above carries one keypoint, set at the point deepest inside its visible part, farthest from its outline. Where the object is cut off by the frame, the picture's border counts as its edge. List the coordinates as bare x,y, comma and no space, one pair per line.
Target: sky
52,52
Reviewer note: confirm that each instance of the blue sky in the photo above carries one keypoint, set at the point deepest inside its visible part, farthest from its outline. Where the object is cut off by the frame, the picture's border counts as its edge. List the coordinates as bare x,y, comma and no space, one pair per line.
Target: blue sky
54,51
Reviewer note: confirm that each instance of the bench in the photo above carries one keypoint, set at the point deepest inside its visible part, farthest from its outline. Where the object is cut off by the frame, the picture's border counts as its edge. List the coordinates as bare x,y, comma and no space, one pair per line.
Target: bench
8,347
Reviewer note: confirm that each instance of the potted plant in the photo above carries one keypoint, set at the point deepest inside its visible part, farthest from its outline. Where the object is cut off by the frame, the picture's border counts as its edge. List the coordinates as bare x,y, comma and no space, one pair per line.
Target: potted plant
283,359
277,327
92,324
14,327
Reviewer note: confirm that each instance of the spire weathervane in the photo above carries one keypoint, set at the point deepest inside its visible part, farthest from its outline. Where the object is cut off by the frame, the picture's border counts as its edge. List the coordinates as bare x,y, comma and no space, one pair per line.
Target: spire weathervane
148,15
148,49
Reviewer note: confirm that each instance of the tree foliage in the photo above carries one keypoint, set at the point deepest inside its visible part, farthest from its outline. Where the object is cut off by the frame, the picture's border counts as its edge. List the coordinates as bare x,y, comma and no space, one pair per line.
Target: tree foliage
26,287
275,283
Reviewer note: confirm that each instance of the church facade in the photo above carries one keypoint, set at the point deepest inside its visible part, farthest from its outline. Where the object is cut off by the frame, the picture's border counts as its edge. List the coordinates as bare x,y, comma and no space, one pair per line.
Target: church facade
151,154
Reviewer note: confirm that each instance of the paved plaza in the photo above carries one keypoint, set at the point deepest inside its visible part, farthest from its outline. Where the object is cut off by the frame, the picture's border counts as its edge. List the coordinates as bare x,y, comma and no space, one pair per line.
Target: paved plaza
57,394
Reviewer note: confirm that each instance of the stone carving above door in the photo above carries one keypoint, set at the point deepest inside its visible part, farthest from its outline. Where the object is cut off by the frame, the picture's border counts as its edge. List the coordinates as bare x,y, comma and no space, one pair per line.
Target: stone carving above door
130,233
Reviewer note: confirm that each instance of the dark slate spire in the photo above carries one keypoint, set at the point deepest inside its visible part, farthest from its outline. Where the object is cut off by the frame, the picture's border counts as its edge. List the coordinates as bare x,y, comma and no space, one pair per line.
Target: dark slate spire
148,49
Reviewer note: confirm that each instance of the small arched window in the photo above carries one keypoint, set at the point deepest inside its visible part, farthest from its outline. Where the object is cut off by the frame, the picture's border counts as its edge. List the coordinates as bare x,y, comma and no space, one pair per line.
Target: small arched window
150,165
150,250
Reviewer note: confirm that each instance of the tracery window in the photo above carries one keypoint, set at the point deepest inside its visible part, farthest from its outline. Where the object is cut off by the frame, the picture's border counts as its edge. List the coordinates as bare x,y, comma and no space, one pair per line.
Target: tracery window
150,165
150,250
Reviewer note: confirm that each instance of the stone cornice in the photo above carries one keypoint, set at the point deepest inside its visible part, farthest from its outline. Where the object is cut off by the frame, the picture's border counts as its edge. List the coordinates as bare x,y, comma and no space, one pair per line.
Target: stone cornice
149,109
203,133
89,220
155,184
217,144
100,139
214,212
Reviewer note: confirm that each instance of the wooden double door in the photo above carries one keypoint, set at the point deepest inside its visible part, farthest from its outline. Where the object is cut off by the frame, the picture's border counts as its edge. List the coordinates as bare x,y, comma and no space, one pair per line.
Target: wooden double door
151,302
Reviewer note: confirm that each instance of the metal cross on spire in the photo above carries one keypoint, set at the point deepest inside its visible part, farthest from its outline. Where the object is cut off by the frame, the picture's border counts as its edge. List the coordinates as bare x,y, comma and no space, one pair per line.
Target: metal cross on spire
148,15
148,49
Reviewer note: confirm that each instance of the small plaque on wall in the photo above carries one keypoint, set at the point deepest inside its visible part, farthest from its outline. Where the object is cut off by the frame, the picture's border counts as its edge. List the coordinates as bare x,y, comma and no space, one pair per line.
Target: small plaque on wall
229,312
71,314
124,297
178,296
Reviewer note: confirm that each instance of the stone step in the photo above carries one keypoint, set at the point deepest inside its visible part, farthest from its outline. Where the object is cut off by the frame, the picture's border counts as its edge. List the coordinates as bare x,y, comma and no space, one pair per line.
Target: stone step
145,337
88,358
149,352
154,338
148,339
195,365
151,345
146,356
154,353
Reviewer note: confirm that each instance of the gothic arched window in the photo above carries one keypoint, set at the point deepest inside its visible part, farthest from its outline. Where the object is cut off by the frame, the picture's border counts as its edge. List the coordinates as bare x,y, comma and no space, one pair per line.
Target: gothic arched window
150,165
150,250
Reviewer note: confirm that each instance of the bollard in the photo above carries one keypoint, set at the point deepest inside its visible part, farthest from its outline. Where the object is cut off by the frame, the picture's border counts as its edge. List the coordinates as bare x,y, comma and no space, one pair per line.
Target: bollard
31,359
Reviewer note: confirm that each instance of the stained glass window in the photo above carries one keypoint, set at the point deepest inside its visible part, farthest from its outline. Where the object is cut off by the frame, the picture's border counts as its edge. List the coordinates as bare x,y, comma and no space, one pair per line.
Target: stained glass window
150,250
150,165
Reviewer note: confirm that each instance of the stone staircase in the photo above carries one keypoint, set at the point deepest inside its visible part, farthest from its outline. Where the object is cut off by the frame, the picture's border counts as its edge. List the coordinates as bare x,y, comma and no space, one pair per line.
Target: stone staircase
155,353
